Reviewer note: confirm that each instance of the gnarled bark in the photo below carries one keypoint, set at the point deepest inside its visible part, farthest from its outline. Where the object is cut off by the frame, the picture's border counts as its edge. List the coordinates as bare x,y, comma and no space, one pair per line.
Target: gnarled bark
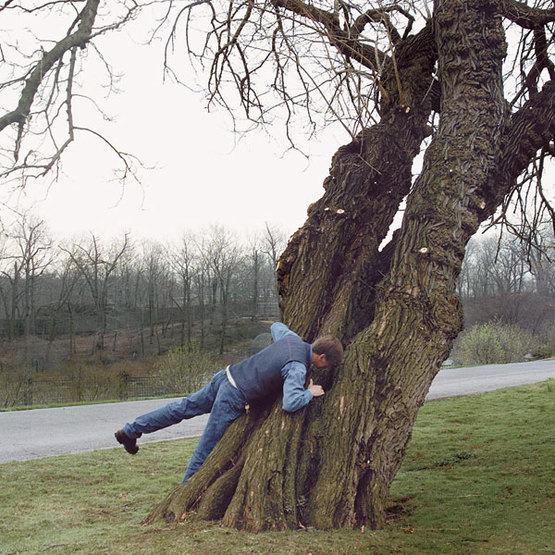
394,308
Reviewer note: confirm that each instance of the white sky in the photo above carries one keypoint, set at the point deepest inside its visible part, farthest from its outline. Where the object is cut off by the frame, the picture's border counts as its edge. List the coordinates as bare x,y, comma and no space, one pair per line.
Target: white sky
201,178
202,175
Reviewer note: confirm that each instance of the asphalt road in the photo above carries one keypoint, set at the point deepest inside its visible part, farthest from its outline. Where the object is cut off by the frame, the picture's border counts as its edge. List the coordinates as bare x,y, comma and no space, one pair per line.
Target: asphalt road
39,433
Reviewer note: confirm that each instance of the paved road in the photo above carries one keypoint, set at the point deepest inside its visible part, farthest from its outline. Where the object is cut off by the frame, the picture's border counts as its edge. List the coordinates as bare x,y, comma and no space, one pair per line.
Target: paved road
477,379
43,432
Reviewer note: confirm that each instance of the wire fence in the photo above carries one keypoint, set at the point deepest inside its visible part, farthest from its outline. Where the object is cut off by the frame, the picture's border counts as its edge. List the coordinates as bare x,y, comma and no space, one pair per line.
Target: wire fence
29,389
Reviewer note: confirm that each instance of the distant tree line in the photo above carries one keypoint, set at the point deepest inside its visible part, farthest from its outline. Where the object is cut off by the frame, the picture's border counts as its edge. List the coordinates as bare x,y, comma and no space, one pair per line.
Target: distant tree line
507,279
96,287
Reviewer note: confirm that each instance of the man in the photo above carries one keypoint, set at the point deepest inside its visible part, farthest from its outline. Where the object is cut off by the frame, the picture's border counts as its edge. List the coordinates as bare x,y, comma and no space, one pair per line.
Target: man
280,366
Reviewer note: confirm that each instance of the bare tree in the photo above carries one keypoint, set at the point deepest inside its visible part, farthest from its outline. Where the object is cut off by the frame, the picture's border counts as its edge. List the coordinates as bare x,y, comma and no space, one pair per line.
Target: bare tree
200,286
34,246
97,265
401,77
223,255
28,253
468,278
66,277
10,291
128,276
274,242
183,261
542,260
254,270
156,277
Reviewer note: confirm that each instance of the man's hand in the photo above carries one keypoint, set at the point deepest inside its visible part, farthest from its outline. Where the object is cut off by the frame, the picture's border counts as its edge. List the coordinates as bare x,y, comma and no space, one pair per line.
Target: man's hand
316,390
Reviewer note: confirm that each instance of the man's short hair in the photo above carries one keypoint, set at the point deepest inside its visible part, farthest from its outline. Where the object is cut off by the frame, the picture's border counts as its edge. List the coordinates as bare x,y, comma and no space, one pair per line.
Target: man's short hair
331,347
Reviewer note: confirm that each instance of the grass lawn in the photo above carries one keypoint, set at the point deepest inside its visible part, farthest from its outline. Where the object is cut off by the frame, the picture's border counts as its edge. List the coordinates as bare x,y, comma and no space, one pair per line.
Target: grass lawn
478,478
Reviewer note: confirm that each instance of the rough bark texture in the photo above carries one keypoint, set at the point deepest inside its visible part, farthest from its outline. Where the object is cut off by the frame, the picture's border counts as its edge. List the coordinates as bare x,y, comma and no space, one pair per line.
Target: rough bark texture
395,309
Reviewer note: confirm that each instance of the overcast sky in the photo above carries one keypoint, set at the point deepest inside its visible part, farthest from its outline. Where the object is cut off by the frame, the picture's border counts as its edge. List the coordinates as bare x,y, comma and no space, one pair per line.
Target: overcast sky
202,174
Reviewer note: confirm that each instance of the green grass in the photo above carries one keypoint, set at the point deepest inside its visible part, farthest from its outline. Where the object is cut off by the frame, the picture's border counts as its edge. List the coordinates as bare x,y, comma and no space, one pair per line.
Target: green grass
477,478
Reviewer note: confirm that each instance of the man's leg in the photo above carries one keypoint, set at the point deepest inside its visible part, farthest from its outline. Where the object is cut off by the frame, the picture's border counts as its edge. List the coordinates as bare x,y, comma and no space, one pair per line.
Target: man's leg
195,404
228,405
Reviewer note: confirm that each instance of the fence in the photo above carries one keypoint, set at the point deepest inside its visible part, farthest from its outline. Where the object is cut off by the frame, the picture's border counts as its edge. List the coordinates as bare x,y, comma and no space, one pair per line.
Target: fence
140,387
26,389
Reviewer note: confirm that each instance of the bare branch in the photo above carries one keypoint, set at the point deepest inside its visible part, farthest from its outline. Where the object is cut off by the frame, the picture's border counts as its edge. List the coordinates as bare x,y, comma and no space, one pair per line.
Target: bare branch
526,16
124,157
77,39
530,131
380,15
341,39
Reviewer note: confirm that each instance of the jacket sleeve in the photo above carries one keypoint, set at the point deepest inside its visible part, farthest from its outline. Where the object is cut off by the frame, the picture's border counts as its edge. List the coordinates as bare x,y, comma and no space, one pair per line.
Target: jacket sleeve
295,396
279,330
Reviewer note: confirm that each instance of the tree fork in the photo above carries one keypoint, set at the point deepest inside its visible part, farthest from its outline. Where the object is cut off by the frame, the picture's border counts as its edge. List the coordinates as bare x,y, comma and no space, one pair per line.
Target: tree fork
333,260
332,465
280,457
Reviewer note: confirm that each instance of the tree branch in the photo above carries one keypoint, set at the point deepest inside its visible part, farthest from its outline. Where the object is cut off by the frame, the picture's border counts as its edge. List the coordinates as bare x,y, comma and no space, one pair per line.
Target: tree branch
381,16
531,128
524,15
77,39
339,38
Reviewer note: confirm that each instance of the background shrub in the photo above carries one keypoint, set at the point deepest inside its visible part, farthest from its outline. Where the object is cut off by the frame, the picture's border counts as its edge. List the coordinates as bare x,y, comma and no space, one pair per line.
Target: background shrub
546,347
184,369
493,343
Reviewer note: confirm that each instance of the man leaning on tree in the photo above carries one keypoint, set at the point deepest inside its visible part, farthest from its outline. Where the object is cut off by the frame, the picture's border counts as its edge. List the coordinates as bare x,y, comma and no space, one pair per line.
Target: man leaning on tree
280,366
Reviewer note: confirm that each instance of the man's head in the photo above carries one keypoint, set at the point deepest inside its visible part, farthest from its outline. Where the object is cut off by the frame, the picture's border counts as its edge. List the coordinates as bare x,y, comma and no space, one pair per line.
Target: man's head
327,351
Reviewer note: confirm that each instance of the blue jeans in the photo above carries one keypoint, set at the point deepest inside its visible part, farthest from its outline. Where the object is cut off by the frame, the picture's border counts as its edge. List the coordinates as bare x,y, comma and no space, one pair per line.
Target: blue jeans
224,402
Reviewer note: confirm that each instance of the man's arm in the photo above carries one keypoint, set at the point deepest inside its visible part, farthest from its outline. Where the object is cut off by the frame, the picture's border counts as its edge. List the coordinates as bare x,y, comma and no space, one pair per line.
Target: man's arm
295,396
279,330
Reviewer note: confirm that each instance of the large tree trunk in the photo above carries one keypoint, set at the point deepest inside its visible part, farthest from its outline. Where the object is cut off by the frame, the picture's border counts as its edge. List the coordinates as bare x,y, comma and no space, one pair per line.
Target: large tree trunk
395,309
